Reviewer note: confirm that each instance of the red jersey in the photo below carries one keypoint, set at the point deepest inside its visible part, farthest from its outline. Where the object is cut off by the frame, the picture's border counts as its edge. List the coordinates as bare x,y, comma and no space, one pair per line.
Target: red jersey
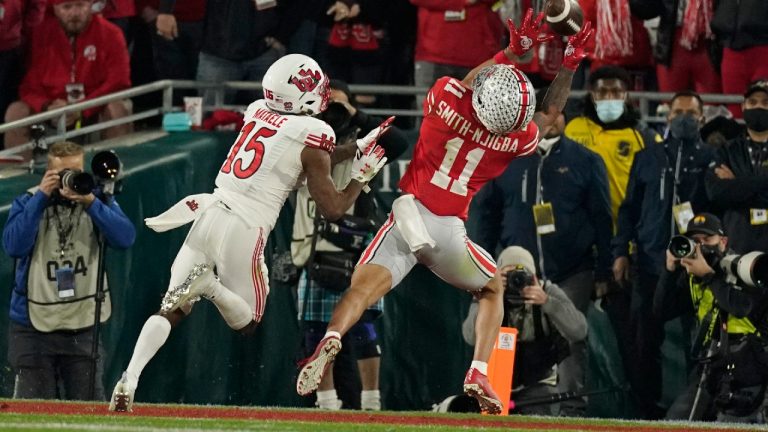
455,154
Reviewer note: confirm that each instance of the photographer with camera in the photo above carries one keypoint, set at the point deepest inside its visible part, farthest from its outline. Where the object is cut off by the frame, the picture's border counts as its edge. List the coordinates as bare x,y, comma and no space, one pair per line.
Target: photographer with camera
546,320
53,231
700,277
328,252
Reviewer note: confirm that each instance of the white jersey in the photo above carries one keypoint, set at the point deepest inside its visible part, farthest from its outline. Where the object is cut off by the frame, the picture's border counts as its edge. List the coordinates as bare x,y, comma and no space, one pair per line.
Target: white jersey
264,163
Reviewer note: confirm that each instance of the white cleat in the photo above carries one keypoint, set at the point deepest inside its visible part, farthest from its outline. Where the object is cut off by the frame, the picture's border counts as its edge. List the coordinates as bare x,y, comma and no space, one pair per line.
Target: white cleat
195,285
122,396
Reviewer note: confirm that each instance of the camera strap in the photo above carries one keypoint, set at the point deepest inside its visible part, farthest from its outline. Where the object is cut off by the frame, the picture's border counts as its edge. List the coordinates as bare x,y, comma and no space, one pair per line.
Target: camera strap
65,230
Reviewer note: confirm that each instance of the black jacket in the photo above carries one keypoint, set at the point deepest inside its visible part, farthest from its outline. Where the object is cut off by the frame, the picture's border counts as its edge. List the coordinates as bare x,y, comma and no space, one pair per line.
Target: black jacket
741,24
673,295
574,180
235,30
736,197
666,10
645,216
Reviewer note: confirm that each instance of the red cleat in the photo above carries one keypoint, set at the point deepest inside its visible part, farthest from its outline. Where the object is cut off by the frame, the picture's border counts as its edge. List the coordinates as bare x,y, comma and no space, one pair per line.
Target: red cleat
315,365
476,385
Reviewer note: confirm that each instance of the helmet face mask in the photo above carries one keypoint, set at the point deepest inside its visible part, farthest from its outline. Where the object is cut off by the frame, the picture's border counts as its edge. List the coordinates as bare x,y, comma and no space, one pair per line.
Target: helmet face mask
503,98
295,84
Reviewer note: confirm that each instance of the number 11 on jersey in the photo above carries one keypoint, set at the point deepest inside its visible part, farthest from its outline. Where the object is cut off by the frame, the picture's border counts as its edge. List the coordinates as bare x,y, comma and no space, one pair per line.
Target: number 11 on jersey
442,179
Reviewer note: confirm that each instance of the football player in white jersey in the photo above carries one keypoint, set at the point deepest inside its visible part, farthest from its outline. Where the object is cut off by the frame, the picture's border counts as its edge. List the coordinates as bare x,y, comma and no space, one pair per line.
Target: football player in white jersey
279,147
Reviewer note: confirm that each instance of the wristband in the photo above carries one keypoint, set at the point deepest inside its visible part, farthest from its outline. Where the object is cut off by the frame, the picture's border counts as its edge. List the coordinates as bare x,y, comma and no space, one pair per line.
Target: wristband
501,58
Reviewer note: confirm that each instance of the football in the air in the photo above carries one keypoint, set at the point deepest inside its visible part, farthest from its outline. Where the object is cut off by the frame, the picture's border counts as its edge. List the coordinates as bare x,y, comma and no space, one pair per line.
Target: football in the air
564,16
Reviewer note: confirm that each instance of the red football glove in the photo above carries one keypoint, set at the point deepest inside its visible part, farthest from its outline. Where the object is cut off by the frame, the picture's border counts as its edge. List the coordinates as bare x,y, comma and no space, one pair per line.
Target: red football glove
576,49
524,38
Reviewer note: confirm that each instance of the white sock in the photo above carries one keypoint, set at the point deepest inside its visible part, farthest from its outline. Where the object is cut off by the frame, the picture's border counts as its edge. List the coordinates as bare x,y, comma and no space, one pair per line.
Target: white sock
327,395
370,400
235,311
327,399
332,333
482,367
153,335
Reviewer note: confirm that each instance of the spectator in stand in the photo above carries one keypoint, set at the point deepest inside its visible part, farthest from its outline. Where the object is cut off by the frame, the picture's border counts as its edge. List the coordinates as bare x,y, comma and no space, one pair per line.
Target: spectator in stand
452,37
610,127
243,38
620,40
684,44
17,18
118,12
349,41
74,55
666,187
177,38
739,183
741,27
570,183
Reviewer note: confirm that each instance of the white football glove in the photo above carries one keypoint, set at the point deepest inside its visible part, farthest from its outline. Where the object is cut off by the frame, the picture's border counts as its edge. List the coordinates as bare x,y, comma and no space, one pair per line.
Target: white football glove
367,163
374,135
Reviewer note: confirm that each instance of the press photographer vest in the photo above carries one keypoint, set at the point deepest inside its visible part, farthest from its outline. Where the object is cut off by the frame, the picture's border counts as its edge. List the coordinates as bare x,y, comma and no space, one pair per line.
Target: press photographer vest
48,311
703,301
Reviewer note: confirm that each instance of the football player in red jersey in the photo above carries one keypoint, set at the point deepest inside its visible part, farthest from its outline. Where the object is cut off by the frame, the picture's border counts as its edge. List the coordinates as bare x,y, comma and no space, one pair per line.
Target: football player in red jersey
471,130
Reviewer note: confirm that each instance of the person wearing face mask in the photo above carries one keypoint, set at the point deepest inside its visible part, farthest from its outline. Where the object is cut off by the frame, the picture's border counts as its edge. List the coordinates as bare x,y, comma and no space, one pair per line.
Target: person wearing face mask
730,382
610,127
666,186
554,203
738,184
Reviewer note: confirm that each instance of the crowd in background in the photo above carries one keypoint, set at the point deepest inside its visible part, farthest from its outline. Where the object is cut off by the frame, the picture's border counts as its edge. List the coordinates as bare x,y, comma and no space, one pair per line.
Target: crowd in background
703,45
616,188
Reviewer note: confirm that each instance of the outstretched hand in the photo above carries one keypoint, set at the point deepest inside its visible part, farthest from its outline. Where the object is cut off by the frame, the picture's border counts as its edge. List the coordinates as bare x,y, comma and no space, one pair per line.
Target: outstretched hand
522,39
577,47
373,136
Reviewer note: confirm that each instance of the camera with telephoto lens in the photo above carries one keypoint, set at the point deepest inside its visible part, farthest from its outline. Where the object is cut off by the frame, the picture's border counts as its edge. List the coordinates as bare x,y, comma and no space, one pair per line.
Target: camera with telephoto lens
748,270
681,246
106,167
340,120
517,279
78,181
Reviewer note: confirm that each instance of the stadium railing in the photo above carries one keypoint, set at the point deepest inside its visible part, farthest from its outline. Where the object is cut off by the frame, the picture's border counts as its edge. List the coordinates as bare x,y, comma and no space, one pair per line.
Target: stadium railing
167,88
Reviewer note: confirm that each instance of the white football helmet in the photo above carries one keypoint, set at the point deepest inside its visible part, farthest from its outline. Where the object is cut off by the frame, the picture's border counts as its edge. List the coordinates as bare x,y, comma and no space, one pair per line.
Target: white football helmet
503,98
295,84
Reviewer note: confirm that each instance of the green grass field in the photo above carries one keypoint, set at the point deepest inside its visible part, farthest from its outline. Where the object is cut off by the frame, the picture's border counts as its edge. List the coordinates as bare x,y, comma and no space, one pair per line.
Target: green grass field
73,416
